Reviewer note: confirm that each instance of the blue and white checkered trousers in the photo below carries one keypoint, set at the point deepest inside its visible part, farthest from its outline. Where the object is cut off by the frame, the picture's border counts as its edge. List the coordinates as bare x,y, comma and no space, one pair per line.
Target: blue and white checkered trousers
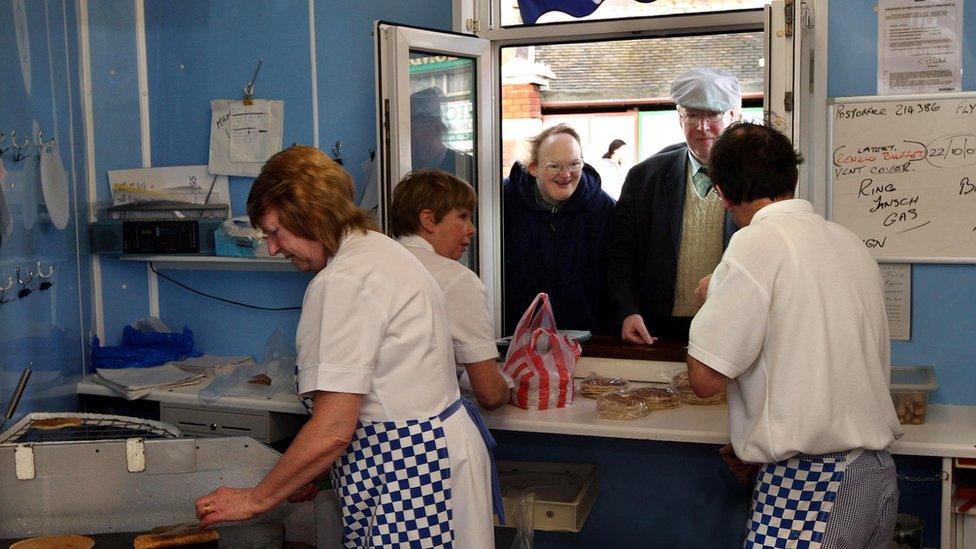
793,499
394,484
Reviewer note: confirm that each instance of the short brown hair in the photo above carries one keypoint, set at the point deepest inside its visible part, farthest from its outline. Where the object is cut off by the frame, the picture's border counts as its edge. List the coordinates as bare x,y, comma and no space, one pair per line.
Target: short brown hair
535,141
312,195
427,189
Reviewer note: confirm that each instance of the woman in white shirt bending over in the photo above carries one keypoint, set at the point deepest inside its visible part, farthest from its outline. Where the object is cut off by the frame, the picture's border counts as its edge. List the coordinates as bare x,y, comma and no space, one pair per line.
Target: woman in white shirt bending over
374,356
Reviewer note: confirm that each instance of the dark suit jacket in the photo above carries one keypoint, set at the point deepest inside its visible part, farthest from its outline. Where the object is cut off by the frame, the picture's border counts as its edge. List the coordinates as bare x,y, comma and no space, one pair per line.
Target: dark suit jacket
645,233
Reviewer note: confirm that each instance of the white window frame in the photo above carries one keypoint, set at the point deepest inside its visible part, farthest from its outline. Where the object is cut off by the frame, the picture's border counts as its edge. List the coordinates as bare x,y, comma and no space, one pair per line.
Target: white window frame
393,46
804,54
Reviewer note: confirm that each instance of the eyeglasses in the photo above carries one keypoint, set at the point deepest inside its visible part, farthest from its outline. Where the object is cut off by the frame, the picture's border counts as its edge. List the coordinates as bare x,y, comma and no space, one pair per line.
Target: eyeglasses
553,168
696,117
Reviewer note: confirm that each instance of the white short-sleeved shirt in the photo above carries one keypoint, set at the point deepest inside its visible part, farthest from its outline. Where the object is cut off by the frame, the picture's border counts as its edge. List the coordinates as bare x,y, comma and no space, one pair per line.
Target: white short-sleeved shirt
795,315
465,300
373,323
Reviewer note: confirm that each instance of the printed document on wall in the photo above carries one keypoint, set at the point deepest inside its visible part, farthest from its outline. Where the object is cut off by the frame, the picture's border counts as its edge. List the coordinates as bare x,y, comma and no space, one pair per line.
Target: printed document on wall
898,299
242,137
919,46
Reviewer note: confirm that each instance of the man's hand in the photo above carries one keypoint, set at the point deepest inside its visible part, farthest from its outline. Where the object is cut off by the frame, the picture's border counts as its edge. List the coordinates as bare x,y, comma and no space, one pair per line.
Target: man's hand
634,331
743,472
701,292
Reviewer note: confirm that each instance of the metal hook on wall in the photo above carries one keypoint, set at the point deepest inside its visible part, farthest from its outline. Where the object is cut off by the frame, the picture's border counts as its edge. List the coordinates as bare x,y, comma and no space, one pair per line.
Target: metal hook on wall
249,88
20,155
24,284
45,284
3,289
39,144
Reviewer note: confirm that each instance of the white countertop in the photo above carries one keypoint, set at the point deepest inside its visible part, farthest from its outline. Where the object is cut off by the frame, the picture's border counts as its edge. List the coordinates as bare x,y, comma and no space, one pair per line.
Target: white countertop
948,431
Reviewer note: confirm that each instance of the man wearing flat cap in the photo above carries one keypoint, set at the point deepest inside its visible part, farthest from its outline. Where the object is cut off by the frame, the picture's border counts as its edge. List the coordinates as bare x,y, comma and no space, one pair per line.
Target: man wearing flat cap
427,129
669,228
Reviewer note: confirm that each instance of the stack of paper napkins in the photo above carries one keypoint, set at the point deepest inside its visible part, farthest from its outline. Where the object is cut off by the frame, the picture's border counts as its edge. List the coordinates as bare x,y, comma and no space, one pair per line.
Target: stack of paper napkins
133,383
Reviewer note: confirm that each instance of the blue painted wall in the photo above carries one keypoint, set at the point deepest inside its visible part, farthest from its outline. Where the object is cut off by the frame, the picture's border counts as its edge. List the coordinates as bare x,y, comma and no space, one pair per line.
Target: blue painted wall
200,51
943,296
44,327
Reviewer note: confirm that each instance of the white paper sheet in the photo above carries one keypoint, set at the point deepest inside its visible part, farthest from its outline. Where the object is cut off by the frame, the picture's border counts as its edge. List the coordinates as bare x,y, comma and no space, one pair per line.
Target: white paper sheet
898,299
919,46
242,137
189,184
249,137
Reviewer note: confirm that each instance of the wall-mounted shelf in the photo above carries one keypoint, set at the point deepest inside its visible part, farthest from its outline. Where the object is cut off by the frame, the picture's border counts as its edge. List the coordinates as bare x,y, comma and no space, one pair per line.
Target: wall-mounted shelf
213,262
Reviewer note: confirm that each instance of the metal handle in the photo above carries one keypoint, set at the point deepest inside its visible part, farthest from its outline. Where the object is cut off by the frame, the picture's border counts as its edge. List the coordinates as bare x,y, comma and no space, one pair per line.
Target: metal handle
18,392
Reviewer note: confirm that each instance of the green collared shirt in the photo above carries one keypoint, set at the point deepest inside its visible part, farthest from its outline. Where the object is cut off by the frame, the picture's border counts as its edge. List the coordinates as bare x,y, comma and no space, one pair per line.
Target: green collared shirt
699,176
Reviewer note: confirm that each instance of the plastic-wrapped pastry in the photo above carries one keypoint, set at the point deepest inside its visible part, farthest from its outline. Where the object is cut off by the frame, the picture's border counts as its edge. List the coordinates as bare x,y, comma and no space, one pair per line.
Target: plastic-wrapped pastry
657,398
595,385
621,405
682,386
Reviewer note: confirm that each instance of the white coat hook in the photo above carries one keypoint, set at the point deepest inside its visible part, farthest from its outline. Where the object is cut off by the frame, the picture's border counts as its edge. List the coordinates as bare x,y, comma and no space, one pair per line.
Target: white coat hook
50,270
45,283
3,290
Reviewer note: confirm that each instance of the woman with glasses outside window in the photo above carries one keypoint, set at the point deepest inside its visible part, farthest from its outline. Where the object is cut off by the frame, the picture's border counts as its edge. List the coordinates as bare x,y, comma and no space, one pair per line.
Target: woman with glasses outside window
555,224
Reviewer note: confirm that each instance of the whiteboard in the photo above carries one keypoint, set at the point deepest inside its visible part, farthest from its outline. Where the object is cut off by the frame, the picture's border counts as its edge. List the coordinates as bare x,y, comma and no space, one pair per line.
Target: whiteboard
903,175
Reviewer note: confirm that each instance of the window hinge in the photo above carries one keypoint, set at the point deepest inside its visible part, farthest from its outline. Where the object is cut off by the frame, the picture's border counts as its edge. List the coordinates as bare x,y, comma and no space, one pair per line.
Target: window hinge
386,122
473,25
788,101
811,71
788,17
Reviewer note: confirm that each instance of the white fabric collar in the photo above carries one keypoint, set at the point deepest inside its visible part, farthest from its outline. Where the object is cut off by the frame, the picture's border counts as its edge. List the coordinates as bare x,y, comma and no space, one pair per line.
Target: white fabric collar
792,205
415,241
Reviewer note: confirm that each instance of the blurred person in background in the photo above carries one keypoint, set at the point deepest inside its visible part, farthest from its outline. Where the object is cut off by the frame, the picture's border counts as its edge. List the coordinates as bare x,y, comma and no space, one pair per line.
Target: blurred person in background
612,169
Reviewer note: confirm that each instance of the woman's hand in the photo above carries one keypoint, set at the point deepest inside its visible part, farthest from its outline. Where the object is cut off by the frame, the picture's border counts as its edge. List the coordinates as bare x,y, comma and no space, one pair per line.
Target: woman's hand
227,505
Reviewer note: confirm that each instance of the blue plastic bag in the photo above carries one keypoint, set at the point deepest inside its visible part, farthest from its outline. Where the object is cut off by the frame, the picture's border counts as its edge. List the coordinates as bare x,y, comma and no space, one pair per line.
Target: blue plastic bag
141,349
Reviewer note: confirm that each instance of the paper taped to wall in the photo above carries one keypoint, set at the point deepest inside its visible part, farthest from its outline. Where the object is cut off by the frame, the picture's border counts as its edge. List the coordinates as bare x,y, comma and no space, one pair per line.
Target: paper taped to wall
243,136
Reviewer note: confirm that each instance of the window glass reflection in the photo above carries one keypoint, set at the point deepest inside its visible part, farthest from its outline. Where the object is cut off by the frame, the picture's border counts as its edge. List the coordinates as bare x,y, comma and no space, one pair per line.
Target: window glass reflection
442,116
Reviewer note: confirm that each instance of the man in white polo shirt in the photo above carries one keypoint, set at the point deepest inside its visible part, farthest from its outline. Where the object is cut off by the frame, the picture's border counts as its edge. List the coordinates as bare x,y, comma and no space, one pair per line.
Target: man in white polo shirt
794,324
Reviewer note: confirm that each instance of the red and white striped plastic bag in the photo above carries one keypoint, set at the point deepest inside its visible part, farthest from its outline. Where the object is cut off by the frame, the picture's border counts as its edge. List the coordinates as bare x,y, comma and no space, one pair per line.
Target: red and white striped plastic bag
541,361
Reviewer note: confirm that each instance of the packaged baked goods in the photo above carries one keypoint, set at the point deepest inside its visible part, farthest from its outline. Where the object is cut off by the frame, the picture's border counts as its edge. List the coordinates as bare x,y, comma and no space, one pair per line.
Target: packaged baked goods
681,386
594,385
657,398
621,405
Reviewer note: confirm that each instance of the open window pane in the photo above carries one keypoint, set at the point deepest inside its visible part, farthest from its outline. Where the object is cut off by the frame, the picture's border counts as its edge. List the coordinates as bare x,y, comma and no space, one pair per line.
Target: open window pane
534,12
608,91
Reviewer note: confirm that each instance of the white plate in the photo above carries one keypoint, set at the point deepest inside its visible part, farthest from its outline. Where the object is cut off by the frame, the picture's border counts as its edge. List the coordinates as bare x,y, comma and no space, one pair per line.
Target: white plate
54,184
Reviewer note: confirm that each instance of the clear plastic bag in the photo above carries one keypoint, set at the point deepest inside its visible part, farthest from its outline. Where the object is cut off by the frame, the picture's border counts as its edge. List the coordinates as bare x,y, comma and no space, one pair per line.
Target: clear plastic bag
621,405
594,385
276,372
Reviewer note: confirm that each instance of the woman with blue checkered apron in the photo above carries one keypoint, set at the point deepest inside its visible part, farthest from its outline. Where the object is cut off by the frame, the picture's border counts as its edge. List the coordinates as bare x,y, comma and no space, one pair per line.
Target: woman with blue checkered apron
411,460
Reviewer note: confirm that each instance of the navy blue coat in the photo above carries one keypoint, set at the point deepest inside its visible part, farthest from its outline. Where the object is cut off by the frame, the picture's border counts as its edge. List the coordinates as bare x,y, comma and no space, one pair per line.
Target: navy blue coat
560,253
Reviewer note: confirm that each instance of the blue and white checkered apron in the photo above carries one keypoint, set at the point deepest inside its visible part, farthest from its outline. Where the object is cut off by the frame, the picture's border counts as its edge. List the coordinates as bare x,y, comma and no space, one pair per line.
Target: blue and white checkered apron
793,499
394,483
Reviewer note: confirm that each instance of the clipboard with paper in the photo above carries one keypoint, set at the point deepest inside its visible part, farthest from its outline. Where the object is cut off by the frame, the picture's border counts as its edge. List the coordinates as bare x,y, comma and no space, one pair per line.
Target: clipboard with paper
243,134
